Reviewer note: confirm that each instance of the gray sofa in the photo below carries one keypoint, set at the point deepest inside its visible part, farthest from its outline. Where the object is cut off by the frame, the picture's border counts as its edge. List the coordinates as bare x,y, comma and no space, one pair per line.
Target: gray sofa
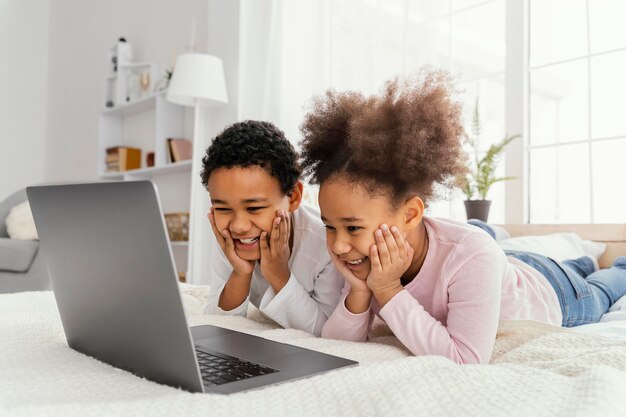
22,268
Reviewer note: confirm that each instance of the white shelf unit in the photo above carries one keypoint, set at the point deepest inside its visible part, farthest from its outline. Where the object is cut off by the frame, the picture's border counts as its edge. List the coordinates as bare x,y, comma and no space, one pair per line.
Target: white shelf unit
147,123
124,85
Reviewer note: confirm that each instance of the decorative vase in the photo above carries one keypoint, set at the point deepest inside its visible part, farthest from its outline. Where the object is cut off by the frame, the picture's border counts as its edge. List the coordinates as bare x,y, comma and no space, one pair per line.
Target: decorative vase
477,209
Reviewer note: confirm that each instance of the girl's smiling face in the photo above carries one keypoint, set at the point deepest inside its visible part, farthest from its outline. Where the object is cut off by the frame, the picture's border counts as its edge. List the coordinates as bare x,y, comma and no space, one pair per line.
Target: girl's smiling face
351,217
245,202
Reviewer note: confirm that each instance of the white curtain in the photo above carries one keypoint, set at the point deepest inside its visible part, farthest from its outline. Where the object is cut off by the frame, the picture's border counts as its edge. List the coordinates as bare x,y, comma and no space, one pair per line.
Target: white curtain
284,60
292,50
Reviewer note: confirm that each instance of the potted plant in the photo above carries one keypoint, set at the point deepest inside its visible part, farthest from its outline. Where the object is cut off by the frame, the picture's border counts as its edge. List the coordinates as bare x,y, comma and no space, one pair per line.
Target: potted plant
480,176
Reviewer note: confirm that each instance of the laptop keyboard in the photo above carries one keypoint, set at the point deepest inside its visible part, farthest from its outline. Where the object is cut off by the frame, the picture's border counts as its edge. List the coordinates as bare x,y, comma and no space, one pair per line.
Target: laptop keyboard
218,370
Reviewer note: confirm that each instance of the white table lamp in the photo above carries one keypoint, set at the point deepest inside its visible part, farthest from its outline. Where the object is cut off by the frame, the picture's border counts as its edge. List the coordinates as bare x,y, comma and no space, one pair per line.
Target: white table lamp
198,80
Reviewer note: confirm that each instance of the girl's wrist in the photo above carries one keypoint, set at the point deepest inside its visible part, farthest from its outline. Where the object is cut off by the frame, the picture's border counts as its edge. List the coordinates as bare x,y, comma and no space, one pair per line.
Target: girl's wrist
358,301
361,293
384,295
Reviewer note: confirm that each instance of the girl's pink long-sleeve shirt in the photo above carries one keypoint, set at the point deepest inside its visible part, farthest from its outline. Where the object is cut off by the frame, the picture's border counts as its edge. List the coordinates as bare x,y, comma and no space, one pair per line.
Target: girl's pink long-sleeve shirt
452,306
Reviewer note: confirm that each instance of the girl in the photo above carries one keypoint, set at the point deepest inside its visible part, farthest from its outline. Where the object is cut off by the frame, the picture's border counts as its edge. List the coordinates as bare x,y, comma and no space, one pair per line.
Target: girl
441,286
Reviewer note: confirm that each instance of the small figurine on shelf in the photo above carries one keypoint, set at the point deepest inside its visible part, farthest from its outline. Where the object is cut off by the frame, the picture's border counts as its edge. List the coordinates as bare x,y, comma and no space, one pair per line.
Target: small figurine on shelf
121,54
117,83
144,82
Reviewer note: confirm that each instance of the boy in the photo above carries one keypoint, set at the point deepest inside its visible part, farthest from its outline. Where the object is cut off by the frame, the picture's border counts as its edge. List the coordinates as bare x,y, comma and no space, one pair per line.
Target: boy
273,250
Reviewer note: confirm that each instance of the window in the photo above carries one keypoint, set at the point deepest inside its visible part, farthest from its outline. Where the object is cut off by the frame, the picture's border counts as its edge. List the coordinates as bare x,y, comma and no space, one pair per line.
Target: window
560,85
577,132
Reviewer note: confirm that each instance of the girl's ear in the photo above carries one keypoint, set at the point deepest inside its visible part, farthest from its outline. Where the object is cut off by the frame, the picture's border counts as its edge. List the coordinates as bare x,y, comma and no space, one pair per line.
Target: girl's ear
413,209
295,198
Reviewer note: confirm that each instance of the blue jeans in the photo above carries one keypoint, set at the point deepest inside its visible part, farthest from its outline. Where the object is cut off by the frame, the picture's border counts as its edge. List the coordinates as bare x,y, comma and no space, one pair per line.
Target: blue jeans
584,294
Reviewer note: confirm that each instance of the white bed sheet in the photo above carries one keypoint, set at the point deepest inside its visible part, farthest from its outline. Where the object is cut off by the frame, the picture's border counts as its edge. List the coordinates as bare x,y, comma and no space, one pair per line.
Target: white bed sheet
612,323
537,371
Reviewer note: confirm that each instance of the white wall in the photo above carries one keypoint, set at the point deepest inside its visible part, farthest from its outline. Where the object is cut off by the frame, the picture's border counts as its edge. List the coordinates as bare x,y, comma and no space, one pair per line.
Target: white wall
81,32
223,41
23,73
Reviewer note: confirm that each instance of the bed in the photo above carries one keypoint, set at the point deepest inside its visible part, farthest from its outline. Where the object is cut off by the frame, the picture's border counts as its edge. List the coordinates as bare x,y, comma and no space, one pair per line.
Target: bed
536,370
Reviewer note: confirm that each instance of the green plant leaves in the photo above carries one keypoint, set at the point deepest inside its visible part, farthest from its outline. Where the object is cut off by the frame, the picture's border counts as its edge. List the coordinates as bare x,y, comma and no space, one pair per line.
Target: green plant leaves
481,173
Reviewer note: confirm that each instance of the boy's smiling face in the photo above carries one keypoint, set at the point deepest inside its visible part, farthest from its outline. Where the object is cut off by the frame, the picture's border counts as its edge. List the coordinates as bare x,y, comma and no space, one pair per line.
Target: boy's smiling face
245,201
351,217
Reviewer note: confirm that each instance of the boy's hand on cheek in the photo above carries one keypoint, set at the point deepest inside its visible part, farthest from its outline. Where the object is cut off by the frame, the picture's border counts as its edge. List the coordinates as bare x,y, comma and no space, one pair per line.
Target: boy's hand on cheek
240,266
390,257
275,252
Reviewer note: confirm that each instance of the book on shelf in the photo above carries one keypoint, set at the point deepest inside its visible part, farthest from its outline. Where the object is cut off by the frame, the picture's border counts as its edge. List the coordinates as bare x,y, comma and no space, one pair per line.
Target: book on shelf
179,149
122,158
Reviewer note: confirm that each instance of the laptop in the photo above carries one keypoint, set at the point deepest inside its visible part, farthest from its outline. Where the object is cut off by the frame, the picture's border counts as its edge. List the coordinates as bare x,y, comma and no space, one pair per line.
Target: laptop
116,288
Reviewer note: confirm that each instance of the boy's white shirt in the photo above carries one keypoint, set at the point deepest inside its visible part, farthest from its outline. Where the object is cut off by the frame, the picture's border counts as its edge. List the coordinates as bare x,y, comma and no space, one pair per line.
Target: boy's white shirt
313,289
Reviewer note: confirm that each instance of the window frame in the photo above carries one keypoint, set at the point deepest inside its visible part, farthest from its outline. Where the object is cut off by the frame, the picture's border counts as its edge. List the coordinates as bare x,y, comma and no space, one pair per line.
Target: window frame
517,112
516,98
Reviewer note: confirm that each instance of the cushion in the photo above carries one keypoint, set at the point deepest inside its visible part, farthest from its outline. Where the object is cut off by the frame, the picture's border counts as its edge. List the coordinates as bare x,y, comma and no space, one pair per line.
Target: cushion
617,312
5,207
501,233
558,246
17,255
20,223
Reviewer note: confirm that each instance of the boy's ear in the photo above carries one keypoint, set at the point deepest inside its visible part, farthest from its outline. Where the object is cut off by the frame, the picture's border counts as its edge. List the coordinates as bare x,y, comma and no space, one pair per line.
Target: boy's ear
295,198
413,212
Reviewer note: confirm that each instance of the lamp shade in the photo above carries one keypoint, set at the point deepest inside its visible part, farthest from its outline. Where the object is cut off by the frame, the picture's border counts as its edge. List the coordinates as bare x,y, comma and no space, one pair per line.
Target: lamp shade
198,79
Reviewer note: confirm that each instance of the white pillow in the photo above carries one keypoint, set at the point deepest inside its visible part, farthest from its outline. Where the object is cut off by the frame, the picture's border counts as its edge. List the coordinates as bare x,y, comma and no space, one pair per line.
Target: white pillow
558,246
20,223
501,232
619,305
617,313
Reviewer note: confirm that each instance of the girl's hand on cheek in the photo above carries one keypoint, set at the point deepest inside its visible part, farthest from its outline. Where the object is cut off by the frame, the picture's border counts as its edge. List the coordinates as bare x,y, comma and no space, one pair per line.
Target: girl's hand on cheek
357,284
390,257
240,266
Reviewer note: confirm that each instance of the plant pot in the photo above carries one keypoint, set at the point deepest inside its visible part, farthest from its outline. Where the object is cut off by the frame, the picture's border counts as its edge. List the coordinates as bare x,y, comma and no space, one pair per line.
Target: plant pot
477,209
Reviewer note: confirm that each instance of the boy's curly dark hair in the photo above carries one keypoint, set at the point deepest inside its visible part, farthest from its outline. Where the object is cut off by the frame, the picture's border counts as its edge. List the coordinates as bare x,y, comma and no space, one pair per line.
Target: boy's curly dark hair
253,143
407,139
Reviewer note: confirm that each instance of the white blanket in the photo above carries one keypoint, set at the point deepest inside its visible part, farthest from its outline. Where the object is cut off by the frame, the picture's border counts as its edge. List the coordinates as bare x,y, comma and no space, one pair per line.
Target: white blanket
537,371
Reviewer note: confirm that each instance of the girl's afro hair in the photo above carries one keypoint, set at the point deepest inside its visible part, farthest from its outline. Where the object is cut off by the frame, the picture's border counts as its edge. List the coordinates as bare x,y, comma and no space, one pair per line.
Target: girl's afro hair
405,140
